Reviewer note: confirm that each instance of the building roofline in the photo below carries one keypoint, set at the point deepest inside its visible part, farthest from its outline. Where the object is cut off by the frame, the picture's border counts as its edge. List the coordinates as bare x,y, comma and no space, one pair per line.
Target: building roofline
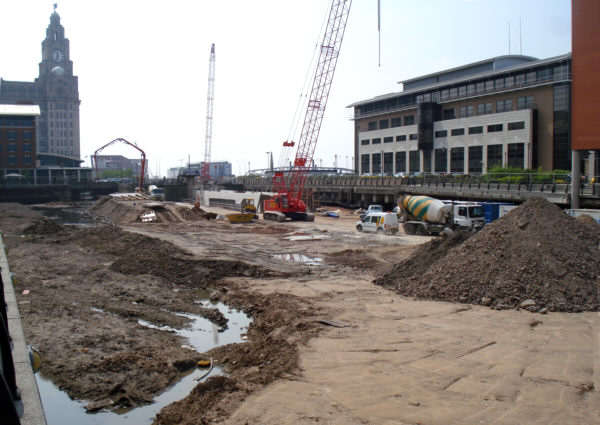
28,110
469,65
461,79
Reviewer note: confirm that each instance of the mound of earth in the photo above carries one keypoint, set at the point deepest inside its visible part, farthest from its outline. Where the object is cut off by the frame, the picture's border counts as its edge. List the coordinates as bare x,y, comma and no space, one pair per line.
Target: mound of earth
535,257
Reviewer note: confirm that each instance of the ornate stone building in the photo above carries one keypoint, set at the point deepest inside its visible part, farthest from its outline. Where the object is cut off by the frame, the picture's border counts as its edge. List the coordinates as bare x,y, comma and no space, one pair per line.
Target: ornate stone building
55,91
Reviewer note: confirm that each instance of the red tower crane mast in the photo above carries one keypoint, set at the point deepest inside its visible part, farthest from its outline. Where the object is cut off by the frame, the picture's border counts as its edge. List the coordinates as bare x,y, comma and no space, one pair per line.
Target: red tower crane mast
143,165
210,97
288,201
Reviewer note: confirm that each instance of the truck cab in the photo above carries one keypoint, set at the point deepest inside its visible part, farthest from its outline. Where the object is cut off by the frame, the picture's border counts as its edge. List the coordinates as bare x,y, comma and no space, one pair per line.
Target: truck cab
468,215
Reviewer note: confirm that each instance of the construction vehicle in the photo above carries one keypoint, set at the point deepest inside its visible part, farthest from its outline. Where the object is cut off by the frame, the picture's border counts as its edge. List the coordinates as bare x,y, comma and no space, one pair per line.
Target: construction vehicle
423,215
248,206
289,188
156,193
134,145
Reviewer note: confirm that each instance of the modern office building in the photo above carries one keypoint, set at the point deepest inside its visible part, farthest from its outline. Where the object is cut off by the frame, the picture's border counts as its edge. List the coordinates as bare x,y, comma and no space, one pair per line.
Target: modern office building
509,110
56,93
120,163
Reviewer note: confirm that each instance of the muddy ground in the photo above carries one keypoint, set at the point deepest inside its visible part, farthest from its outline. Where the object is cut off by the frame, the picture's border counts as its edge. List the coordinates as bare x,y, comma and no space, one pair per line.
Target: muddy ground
398,360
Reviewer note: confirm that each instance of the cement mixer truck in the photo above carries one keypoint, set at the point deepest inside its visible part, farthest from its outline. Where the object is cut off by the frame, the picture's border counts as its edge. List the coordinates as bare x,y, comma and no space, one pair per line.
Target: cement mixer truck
423,215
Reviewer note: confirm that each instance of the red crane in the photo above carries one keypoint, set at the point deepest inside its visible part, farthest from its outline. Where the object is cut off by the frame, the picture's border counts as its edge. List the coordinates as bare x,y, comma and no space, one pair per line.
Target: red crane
130,144
209,113
288,202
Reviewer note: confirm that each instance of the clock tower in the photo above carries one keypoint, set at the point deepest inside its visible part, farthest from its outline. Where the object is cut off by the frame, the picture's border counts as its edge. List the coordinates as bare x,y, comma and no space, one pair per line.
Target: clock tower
56,91
59,102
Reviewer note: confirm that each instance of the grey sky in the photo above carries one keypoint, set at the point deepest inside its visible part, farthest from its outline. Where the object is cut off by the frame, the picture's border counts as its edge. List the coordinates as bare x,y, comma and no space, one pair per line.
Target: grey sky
143,65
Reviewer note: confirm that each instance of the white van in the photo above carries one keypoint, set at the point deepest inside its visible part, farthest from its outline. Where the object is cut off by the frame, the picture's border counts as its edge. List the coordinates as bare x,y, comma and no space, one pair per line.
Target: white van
379,222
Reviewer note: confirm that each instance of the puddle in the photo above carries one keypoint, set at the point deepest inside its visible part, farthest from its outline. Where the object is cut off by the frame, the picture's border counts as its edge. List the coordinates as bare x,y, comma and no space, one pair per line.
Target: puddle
201,335
62,410
67,216
306,238
299,258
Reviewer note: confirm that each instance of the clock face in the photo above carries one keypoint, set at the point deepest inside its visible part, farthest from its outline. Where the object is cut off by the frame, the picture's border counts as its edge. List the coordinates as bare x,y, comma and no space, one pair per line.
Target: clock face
57,55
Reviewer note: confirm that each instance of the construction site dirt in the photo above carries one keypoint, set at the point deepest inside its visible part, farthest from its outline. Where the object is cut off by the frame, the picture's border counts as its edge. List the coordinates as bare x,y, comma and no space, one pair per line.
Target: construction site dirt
326,343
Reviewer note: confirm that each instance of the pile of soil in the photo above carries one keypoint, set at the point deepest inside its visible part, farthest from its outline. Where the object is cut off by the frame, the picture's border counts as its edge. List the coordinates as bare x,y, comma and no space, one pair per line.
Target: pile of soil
535,257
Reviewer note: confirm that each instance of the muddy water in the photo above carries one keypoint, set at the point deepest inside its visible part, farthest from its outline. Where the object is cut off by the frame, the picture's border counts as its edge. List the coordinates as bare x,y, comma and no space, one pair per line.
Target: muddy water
68,216
202,336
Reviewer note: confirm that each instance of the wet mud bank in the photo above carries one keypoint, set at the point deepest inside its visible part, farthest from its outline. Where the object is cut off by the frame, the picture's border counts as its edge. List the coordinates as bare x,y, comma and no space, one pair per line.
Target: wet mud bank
86,295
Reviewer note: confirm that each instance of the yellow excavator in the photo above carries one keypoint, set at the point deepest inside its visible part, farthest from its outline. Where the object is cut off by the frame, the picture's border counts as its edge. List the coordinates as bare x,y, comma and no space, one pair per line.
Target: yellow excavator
248,206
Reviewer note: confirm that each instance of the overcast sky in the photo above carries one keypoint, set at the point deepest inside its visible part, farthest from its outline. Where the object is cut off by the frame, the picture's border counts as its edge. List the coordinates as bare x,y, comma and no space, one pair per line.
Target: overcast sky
143,65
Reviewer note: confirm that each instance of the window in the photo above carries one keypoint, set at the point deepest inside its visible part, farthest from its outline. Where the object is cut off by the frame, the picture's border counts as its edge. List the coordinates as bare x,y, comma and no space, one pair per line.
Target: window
383,124
499,83
388,162
27,135
476,130
397,122
28,122
520,79
401,138
372,125
27,160
475,159
376,163
518,125
441,133
12,122
12,160
414,161
471,89
449,114
462,91
489,85
12,147
494,156
389,139
479,87
445,94
401,162
364,142
457,160
516,155
493,128
409,120
530,77
365,161
27,147
453,92
509,81
525,102
544,74
457,131
413,136
484,108
376,141
441,160
466,111
11,135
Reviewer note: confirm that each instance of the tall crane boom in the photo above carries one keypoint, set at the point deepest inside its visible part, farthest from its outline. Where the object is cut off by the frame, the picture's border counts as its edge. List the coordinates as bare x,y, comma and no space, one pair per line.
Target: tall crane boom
319,94
210,97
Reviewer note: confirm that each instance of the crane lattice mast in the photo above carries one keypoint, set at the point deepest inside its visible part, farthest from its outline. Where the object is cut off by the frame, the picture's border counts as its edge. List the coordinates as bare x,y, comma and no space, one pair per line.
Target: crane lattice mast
321,84
209,113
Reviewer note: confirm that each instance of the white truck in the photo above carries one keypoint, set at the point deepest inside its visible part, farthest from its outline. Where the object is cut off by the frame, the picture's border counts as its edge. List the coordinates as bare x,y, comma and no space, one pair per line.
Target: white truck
423,215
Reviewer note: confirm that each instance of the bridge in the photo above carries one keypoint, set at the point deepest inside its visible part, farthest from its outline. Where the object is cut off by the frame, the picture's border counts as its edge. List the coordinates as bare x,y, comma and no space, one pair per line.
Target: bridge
357,191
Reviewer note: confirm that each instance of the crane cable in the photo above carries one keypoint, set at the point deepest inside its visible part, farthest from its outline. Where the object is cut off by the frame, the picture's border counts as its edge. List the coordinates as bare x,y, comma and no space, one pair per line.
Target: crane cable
303,98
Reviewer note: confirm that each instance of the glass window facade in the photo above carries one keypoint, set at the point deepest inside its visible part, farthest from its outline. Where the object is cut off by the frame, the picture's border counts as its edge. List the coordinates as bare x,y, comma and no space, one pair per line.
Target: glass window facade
561,146
457,160
494,156
401,162
475,159
441,160
414,161
516,155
